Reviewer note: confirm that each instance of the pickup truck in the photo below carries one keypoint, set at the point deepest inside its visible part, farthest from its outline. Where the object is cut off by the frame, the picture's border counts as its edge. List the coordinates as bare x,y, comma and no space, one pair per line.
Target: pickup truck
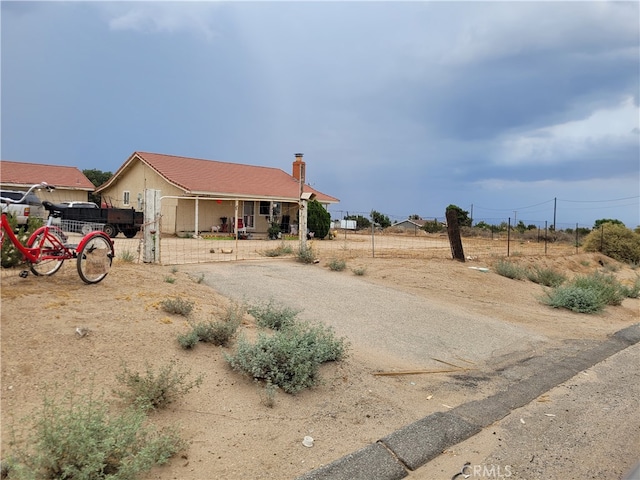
29,207
111,220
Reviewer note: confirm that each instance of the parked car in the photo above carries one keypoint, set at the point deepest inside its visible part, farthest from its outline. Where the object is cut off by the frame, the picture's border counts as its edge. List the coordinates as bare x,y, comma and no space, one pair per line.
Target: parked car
79,204
31,206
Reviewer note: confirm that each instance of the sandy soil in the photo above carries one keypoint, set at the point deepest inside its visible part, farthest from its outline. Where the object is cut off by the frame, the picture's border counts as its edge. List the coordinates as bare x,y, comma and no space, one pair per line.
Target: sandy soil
232,432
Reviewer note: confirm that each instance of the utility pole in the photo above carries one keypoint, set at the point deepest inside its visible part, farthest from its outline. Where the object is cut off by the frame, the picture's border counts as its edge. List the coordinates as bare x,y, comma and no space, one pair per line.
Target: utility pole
555,202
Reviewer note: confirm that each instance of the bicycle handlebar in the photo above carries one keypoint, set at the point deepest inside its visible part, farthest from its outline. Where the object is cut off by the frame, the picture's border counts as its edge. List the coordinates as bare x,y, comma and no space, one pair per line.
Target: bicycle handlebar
44,185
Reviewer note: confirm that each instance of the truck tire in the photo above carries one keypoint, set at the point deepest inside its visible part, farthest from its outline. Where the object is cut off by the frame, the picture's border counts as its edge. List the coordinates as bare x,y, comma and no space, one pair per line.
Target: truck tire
110,230
130,232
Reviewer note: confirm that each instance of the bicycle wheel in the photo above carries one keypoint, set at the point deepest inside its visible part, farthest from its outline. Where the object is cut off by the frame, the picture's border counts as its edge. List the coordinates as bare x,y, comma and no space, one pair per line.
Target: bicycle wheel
94,259
51,248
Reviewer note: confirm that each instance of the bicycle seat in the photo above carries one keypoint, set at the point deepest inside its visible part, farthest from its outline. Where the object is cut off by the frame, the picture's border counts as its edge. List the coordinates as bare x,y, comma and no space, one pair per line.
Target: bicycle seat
53,207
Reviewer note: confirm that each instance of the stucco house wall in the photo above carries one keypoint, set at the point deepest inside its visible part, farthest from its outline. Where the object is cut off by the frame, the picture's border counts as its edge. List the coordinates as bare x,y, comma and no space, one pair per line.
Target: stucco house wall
208,189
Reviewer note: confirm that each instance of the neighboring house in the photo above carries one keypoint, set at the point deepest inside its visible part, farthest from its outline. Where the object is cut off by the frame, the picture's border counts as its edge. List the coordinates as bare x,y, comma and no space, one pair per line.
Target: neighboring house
209,189
410,225
71,184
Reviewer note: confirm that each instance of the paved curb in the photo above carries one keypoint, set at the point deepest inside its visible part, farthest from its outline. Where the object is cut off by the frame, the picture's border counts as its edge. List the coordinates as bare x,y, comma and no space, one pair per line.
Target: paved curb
420,442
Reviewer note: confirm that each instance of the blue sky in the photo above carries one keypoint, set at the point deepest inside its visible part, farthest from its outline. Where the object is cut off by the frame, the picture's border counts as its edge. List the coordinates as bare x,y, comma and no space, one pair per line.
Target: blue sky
399,107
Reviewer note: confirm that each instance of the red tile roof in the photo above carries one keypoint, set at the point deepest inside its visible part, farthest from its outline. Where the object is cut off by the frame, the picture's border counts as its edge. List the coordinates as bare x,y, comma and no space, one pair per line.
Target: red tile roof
210,177
21,174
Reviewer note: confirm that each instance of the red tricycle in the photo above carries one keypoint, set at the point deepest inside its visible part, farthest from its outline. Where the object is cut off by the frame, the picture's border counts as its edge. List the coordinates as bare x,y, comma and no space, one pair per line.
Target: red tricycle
47,248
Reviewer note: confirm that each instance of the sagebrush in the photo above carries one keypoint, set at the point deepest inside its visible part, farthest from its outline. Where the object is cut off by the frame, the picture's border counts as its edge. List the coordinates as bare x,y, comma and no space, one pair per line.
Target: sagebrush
177,305
337,265
77,437
546,276
590,293
155,389
273,315
510,270
218,332
289,358
305,254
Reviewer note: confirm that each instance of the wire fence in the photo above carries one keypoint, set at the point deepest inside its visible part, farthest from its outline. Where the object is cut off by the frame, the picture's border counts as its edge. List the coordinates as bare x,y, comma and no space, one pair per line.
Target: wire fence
347,244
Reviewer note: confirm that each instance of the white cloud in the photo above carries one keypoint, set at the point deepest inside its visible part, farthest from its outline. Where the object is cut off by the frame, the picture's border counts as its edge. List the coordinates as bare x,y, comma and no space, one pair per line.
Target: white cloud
572,140
162,17
498,30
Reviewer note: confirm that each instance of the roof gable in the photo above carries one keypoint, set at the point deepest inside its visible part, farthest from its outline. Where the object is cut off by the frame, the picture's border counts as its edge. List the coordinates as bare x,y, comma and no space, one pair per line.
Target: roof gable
26,174
211,177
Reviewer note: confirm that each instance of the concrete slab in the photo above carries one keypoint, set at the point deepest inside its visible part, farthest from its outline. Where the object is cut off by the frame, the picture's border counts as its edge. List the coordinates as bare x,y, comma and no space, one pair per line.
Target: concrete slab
373,461
425,439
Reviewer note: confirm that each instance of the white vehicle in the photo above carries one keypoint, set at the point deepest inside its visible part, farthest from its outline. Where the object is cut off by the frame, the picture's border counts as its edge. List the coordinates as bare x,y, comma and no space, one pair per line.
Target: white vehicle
79,204
31,206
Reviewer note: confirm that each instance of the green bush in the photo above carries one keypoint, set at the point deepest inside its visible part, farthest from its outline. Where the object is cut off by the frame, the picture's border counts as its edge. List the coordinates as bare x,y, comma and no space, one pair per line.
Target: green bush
290,358
605,286
189,340
337,265
127,256
318,219
274,230
616,241
359,271
218,332
546,276
633,291
270,315
590,293
510,270
10,256
177,306
154,390
282,249
574,298
75,437
305,254
433,226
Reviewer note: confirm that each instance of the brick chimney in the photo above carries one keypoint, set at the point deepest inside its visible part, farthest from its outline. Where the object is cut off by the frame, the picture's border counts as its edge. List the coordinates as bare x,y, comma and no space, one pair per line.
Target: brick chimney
298,167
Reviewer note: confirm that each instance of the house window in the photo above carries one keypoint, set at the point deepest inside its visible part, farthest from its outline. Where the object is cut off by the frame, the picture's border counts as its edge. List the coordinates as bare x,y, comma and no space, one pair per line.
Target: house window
125,197
248,213
269,209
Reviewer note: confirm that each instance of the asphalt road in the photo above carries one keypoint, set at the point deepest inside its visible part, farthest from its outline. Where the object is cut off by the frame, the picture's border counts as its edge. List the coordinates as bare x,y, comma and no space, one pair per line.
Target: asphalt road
585,428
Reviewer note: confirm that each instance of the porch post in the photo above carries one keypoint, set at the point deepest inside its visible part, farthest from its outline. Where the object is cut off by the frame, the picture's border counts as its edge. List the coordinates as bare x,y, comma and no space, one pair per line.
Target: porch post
235,227
195,234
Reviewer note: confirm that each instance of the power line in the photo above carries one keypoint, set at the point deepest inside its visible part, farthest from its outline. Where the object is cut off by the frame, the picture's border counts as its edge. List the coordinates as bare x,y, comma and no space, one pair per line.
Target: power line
512,209
600,201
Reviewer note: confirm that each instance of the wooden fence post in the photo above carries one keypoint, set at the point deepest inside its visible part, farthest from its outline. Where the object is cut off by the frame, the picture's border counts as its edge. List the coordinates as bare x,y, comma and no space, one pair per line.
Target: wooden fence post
453,230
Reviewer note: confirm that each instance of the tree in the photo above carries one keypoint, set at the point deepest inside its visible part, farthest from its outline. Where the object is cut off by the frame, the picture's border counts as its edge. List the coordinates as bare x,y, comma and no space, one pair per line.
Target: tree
318,219
462,215
433,226
362,223
380,219
598,223
97,177
616,241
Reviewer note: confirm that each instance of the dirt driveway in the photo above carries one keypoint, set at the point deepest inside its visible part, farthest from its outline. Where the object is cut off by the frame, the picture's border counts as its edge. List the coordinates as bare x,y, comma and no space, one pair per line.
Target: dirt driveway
401,315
